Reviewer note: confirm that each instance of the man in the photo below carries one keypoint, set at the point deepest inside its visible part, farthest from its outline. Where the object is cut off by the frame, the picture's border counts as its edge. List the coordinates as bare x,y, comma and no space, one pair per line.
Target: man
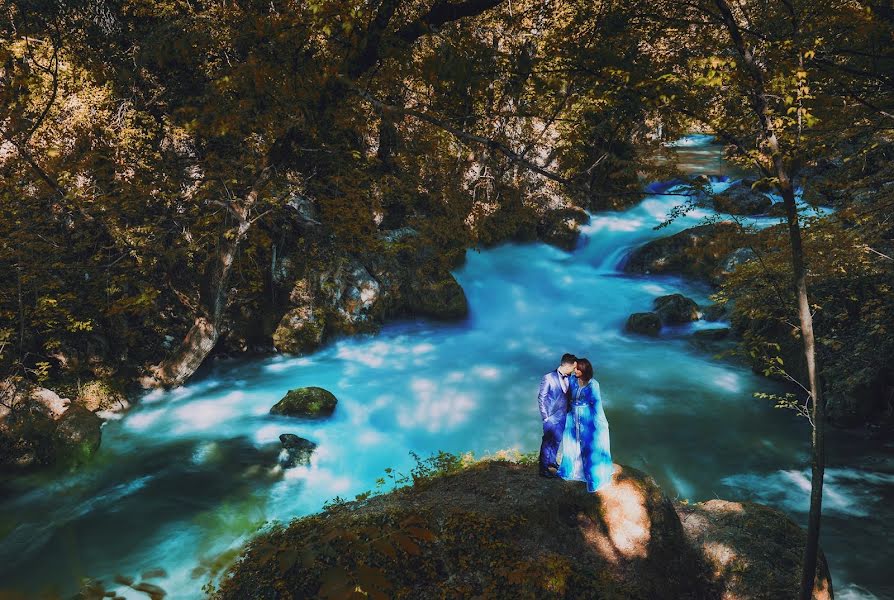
554,398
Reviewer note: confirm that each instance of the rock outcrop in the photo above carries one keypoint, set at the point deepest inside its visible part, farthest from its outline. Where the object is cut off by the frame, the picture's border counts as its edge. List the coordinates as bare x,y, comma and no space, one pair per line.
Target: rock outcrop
356,294
100,396
40,429
495,529
752,551
309,402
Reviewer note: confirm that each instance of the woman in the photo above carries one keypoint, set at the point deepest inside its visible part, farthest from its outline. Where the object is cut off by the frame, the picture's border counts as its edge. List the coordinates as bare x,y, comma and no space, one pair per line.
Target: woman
586,455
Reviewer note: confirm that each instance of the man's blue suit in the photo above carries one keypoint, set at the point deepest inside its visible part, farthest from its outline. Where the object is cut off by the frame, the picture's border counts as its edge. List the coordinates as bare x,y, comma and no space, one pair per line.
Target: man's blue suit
553,401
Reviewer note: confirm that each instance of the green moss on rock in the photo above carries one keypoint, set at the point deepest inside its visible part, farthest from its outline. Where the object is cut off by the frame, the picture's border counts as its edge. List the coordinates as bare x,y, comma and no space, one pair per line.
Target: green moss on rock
312,402
494,529
77,436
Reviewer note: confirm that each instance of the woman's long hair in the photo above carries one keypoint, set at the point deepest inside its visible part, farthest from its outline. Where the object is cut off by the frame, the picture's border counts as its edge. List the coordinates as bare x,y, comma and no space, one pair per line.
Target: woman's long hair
586,370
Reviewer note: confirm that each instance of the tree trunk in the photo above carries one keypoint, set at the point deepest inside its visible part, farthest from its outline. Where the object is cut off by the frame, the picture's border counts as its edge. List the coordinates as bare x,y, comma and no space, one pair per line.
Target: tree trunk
818,408
758,99
202,337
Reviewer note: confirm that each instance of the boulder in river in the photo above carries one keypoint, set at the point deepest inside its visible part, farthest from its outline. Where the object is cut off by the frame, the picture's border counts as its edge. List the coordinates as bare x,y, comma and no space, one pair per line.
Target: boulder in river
437,295
312,402
697,252
676,309
298,450
741,198
644,323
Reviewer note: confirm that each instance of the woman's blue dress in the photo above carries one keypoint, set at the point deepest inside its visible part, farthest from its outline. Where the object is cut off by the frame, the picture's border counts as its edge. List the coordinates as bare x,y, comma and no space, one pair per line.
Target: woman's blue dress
586,454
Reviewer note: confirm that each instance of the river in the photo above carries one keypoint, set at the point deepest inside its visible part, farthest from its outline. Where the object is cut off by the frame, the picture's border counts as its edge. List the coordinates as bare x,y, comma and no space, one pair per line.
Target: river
189,474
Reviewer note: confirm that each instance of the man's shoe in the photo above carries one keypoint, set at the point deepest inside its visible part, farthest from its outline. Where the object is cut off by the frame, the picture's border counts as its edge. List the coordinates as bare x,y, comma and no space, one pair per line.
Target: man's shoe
549,474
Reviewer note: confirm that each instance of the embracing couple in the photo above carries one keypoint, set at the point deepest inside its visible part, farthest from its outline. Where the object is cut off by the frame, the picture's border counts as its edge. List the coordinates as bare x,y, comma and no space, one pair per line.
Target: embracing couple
571,409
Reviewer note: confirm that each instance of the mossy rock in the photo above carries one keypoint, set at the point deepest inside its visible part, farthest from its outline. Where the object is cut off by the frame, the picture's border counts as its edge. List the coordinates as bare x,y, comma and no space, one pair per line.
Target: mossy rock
101,395
751,550
742,198
494,529
644,323
698,252
561,228
300,331
676,309
310,402
439,297
715,312
77,436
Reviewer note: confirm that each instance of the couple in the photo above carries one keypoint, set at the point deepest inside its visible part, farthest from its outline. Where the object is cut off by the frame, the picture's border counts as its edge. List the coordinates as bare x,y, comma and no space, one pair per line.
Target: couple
571,409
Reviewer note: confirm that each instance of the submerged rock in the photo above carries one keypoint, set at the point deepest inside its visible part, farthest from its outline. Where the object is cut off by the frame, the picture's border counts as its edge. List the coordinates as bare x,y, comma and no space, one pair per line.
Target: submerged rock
310,402
298,450
676,309
644,323
711,335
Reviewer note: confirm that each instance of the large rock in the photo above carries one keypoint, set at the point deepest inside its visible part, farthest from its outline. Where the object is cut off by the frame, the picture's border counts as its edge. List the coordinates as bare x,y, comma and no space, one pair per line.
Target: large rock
676,309
300,331
51,402
311,402
561,228
742,199
644,323
698,252
437,296
494,530
715,312
752,551
77,436
352,295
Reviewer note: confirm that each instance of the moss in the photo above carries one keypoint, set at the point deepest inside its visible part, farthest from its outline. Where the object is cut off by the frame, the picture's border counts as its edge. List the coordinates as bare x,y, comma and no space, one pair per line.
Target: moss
306,402
103,395
491,529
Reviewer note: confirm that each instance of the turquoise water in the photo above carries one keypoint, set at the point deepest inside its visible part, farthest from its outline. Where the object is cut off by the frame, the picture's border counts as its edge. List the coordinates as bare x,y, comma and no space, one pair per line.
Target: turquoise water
190,473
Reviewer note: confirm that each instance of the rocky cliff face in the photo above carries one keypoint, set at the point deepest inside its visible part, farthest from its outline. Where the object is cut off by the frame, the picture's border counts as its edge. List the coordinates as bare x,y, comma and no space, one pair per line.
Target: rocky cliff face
497,530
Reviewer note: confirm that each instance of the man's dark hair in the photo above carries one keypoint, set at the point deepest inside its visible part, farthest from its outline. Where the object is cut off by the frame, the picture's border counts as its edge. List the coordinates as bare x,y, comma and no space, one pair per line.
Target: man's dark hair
568,359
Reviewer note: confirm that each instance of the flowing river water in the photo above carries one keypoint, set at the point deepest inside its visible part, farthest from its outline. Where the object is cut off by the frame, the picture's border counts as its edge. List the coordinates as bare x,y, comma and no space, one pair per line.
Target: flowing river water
191,473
